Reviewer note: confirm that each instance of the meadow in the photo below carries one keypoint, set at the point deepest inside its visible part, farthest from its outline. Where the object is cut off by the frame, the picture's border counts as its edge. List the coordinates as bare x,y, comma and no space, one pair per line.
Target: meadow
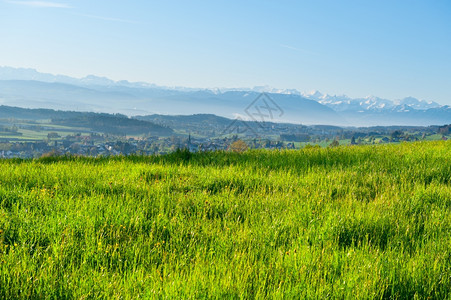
346,222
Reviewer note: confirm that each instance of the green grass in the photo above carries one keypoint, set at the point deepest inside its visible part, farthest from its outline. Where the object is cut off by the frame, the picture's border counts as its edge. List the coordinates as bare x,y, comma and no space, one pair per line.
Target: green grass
345,222
434,137
28,135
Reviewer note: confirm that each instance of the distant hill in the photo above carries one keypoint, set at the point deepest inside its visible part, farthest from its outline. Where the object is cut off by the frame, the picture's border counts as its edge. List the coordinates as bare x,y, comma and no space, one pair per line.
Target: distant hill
199,124
139,101
37,94
182,120
98,122
31,89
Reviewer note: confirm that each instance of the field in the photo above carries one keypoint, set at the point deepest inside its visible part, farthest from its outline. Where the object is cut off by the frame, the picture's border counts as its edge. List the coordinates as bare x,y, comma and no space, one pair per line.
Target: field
29,131
344,222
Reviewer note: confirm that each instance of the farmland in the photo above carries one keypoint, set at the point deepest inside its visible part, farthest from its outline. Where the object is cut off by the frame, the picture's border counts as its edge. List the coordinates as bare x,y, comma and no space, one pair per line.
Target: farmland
33,133
344,222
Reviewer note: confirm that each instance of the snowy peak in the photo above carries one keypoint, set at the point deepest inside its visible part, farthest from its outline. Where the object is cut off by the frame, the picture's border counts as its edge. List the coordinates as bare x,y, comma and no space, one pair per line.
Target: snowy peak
417,104
8,73
369,103
344,103
268,89
96,80
339,103
313,95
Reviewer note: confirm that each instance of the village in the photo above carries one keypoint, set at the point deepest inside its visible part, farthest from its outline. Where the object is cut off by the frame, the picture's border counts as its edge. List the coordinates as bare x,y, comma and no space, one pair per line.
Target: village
104,145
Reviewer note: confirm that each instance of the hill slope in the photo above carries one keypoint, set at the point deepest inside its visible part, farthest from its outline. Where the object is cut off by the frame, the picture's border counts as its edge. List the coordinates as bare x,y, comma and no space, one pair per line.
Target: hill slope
348,222
105,123
32,89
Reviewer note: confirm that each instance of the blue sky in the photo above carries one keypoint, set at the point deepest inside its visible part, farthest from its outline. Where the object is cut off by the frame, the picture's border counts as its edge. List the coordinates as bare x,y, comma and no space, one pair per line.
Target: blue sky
390,49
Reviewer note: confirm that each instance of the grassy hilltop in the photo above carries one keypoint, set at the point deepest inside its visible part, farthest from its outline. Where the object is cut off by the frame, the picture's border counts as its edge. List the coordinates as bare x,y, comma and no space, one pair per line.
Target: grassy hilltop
346,222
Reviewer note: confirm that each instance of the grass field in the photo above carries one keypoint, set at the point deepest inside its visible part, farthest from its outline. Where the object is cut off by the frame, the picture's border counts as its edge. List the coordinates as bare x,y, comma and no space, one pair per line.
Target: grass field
345,222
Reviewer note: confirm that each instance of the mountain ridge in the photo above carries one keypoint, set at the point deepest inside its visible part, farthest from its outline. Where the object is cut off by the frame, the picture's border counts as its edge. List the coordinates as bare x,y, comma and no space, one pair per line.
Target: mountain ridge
30,88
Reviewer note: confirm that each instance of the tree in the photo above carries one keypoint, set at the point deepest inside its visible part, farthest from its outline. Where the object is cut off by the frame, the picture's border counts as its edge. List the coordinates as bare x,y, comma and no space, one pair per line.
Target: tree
446,129
395,135
335,143
238,146
53,135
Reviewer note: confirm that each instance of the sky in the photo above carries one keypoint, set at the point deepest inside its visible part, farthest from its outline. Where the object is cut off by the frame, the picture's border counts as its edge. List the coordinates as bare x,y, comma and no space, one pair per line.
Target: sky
386,48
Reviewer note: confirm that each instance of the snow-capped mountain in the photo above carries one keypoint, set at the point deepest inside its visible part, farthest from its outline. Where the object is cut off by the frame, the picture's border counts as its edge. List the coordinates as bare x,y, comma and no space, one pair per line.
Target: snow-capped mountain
32,89
417,104
344,103
9,73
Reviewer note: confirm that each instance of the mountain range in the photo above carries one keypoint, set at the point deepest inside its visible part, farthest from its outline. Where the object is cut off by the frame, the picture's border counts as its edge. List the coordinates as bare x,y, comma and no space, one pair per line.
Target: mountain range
32,89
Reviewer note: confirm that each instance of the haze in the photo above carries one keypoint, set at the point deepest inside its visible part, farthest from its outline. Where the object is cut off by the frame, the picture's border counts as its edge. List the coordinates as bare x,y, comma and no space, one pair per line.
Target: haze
392,49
